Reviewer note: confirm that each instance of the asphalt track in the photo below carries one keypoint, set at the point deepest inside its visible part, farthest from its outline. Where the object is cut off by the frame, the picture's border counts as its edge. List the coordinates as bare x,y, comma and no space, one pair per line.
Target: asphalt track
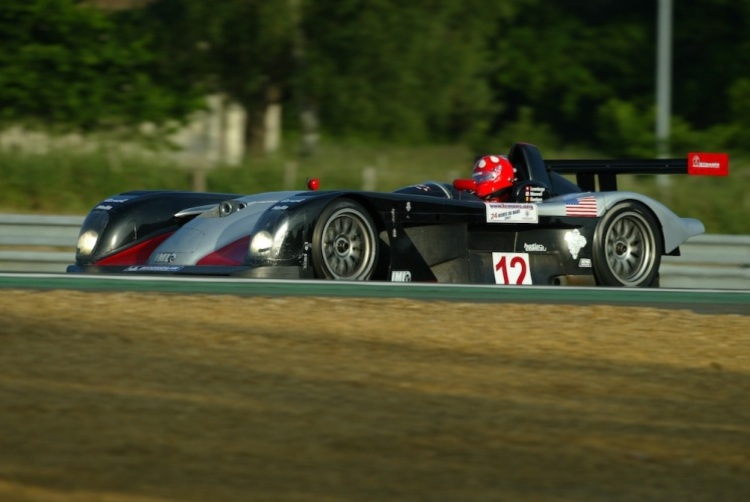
701,301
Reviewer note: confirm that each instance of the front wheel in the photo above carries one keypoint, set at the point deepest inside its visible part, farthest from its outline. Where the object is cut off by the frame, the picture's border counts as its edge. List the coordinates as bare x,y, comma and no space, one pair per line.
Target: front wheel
628,247
345,243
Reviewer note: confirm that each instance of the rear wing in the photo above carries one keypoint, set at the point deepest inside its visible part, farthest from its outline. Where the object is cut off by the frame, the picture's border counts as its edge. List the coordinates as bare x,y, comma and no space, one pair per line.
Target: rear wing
588,172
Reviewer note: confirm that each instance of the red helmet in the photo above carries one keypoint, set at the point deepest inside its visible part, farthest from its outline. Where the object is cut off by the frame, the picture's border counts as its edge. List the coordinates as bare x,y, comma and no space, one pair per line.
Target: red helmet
492,173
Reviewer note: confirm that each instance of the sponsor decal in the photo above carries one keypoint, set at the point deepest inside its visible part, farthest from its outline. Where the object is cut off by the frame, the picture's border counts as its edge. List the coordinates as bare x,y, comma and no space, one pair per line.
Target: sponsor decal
292,200
498,212
153,268
575,242
279,208
708,164
511,268
408,206
400,276
584,263
165,257
534,247
105,205
534,194
249,203
581,206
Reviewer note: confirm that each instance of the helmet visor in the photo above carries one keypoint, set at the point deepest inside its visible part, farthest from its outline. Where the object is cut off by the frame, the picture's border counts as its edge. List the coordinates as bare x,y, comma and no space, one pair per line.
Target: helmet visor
482,176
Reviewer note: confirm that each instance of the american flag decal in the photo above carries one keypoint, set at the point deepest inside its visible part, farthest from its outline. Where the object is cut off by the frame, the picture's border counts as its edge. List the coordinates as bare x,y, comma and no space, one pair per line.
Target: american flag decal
581,206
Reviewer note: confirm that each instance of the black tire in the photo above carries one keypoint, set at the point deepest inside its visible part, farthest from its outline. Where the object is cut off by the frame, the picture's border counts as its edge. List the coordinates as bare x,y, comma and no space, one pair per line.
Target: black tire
345,242
628,247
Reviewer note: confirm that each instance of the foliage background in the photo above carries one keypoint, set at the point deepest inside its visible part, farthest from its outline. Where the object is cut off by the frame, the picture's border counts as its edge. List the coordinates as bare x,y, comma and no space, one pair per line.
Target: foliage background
412,90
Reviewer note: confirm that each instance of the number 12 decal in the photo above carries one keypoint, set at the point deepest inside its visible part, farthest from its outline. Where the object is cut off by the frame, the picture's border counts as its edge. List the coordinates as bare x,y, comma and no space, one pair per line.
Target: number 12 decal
511,268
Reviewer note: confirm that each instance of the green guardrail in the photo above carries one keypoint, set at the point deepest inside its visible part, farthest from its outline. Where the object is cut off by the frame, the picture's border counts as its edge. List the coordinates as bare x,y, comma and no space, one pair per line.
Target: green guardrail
716,301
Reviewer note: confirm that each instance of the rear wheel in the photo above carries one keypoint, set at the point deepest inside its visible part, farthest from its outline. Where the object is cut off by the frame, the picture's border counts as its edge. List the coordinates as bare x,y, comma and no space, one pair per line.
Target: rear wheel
628,247
345,242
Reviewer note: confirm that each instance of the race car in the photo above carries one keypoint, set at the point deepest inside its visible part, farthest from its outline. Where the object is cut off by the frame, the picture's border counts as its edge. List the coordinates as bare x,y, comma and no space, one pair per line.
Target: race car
553,231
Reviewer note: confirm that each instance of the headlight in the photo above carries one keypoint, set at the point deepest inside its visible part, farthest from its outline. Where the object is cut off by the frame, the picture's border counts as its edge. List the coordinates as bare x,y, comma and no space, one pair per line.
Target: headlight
87,242
261,243
269,245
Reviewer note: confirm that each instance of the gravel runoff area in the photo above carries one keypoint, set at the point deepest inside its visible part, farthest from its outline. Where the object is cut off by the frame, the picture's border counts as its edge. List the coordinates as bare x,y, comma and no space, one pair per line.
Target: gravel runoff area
120,397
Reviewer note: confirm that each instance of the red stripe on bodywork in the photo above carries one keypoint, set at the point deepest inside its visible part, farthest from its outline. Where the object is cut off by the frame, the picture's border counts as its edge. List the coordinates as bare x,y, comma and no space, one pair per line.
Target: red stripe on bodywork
135,255
231,254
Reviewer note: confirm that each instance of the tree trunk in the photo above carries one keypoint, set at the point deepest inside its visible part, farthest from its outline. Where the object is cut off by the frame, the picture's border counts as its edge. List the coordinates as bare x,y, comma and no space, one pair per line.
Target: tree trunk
263,131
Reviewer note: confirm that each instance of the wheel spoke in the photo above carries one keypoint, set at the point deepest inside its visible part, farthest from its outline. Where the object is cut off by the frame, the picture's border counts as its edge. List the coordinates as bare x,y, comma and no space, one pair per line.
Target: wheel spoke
630,231
628,266
350,264
616,230
616,267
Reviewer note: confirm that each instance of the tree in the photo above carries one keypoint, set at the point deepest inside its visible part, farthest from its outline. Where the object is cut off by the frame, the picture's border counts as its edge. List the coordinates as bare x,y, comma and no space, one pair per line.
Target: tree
238,48
371,68
409,71
569,59
588,70
66,65
712,52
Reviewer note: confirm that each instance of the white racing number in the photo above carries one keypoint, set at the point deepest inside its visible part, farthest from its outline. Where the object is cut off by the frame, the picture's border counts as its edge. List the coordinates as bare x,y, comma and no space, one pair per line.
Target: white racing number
511,268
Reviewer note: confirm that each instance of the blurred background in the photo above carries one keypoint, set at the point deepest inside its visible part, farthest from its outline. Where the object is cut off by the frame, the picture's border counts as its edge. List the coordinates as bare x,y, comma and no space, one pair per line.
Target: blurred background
102,96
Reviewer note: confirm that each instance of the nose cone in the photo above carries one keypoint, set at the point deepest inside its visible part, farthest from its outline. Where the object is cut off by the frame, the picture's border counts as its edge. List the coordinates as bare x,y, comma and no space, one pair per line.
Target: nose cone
179,249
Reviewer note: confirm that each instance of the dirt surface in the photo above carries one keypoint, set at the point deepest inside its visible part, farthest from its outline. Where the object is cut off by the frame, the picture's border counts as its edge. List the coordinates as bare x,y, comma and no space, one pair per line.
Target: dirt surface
143,397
